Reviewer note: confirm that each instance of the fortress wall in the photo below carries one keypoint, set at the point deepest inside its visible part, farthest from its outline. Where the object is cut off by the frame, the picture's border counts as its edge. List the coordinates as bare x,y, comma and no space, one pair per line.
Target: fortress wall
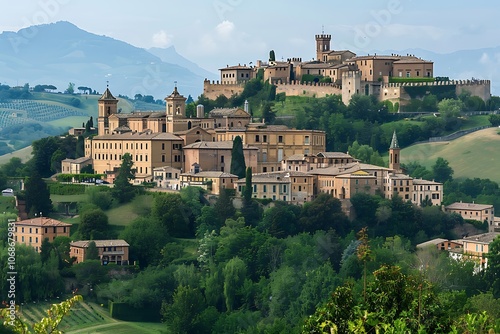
213,89
481,89
295,88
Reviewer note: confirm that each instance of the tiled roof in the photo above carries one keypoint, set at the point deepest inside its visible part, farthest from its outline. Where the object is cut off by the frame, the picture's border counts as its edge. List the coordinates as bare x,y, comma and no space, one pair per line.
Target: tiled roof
432,242
279,177
210,174
482,238
100,243
236,67
226,144
77,160
221,112
334,155
468,206
42,222
422,182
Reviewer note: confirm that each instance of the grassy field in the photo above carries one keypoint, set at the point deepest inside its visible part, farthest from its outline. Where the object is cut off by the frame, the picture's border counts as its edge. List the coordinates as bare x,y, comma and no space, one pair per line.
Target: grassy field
87,317
473,155
24,154
7,204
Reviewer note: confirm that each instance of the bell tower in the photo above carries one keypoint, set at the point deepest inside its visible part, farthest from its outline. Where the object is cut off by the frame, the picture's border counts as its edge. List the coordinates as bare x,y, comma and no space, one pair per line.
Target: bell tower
107,106
176,109
394,154
322,46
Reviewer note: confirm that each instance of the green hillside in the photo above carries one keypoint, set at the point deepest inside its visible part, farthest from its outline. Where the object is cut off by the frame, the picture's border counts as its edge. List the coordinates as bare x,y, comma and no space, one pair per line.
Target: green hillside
474,155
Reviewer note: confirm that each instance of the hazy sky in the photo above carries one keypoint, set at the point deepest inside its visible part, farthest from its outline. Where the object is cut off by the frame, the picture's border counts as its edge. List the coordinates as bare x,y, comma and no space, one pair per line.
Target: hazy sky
214,33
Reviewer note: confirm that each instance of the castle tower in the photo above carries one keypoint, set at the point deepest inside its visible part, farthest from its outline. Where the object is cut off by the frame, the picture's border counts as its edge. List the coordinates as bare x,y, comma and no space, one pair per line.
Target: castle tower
107,106
176,109
322,45
394,154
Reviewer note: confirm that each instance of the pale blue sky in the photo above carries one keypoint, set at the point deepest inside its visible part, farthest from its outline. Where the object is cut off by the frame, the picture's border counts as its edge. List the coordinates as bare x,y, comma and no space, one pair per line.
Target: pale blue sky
214,33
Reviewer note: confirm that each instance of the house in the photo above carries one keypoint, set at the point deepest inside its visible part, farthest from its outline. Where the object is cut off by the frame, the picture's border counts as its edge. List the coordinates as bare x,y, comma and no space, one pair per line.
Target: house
473,211
476,247
167,177
110,251
212,181
442,244
74,166
33,231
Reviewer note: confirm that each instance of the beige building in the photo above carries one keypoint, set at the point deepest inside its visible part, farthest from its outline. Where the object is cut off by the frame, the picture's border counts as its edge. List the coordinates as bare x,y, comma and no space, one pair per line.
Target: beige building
216,156
292,187
305,163
33,231
424,191
211,181
275,143
74,166
278,72
167,177
110,251
472,211
148,150
236,74
476,247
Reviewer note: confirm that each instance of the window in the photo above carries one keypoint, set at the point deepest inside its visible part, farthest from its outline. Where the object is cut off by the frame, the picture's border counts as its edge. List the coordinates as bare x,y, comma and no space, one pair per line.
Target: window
306,140
264,188
163,158
222,159
264,138
163,146
280,139
257,138
274,188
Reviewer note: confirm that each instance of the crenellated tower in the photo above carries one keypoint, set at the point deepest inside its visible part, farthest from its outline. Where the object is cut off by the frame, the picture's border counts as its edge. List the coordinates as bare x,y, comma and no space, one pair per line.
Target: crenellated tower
322,45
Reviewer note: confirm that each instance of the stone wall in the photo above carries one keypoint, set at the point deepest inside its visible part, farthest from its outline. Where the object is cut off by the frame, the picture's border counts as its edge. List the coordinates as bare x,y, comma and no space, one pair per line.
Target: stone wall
295,88
213,89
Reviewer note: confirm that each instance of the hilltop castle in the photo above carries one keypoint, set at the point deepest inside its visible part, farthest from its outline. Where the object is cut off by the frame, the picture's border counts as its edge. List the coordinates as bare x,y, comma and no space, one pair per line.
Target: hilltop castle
342,72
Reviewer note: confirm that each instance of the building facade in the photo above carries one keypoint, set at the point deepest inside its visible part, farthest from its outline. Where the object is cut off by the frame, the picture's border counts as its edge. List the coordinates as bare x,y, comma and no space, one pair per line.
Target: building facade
472,211
110,251
33,231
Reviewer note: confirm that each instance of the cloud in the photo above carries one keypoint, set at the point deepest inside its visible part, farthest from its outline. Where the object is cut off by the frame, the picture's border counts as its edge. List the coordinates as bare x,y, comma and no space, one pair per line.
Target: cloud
224,29
161,39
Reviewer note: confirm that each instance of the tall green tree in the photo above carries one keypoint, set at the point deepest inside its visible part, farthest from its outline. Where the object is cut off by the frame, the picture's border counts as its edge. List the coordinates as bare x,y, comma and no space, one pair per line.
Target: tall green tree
92,252
238,165
442,170
37,196
493,270
123,190
93,225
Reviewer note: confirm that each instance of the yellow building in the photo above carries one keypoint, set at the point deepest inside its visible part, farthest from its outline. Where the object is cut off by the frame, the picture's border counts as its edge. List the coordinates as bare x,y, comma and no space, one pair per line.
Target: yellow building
148,150
110,251
33,231
472,211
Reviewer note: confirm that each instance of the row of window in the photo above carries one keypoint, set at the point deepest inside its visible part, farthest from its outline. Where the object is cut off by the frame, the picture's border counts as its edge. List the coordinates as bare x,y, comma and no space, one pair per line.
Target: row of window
422,188
46,230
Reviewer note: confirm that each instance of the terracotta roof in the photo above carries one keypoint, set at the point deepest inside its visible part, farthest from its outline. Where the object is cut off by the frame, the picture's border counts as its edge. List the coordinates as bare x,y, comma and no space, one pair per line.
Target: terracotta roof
100,243
42,222
468,206
175,94
335,155
432,242
339,52
78,160
279,177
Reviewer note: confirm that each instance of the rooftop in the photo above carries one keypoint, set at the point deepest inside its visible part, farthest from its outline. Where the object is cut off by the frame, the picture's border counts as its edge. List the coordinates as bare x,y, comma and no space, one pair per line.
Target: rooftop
468,206
42,222
483,238
210,174
226,144
100,243
147,135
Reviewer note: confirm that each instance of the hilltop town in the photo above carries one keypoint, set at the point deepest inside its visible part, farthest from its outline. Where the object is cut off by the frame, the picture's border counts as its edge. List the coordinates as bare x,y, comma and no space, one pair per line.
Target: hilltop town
215,213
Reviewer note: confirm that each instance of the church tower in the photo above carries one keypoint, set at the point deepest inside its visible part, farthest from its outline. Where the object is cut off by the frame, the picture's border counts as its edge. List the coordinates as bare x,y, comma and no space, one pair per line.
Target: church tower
107,106
394,154
322,46
176,109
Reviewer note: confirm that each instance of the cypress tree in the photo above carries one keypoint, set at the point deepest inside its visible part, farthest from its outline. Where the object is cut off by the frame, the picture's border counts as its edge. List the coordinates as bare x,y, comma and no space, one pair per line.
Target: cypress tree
238,165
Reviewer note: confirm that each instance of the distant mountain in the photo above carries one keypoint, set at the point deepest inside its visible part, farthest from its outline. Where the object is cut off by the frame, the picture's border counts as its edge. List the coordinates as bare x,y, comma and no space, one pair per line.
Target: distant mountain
59,53
462,65
170,55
